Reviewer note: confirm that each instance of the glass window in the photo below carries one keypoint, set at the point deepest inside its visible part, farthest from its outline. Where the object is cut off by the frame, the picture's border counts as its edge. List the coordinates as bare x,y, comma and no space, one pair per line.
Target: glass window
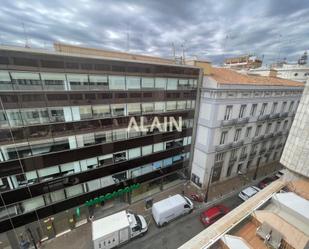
32,204
147,150
106,159
26,81
49,173
147,107
160,83
56,114
134,109
181,105
117,83
74,190
120,134
103,137
120,156
157,165
172,84
85,112
183,83
148,82
118,110
101,111
35,116
171,105
158,147
53,81
188,104
98,82
133,82
133,153
5,81
167,162
159,106
89,163
78,81
69,168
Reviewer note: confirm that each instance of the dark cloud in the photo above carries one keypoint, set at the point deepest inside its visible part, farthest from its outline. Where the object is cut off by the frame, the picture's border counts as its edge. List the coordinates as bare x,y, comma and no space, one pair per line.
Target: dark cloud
208,29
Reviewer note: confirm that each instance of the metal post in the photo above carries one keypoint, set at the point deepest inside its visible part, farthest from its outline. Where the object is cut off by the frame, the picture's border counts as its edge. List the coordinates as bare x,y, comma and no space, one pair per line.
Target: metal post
32,238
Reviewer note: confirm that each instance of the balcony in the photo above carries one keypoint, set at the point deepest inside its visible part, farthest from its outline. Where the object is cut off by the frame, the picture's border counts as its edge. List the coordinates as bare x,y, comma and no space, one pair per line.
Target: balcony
268,136
243,157
229,122
278,134
258,138
271,147
284,114
232,160
222,147
241,121
274,115
237,143
263,117
279,146
252,154
262,151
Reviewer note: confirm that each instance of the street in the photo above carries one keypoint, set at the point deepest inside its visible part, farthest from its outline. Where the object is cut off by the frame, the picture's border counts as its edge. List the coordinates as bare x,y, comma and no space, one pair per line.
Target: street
177,232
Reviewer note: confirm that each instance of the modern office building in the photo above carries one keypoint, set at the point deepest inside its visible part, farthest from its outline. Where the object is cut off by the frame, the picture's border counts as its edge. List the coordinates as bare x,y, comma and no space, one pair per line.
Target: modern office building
243,123
65,147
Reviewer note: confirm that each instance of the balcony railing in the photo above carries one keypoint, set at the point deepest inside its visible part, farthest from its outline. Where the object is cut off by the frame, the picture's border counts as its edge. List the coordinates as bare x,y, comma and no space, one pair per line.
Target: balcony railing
258,138
241,121
232,160
222,147
279,145
284,115
263,117
272,147
277,134
229,122
237,143
262,151
252,154
274,115
243,157
267,136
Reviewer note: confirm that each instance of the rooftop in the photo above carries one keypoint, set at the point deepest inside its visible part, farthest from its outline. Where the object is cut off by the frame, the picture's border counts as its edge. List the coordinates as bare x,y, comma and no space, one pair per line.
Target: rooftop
228,76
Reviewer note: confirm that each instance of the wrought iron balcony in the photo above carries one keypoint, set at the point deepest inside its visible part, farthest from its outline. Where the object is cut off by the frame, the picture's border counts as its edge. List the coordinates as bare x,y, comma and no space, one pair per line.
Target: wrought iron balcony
284,114
237,143
241,121
222,147
243,157
267,136
229,122
274,115
258,138
263,117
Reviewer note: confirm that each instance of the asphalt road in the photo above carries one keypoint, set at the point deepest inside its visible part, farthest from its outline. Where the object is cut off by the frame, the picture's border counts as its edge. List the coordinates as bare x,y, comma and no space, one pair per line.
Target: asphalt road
177,232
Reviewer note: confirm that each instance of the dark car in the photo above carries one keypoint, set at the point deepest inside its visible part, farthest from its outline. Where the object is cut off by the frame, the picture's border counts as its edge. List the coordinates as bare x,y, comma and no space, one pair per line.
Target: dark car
266,181
213,214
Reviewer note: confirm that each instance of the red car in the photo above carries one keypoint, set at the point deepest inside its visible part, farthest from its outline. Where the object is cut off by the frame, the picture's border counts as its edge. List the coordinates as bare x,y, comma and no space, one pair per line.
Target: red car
266,181
213,214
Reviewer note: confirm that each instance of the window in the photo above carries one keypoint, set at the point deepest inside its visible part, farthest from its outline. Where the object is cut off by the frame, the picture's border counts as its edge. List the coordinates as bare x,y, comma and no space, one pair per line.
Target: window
239,167
120,156
159,106
237,134
249,163
134,109
229,170
253,110
219,157
101,111
147,107
285,124
248,131
243,151
160,83
278,124
258,130
133,153
283,107
133,83
223,136
242,111
274,107
268,128
264,105
148,82
118,110
233,154
291,106
117,82
228,112
172,84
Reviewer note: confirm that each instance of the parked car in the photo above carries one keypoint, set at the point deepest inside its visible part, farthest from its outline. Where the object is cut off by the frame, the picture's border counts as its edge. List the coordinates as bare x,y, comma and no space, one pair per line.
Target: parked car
266,181
170,208
248,192
213,214
116,229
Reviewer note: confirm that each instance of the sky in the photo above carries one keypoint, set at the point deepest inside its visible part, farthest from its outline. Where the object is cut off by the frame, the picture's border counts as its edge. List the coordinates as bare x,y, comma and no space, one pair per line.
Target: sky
204,29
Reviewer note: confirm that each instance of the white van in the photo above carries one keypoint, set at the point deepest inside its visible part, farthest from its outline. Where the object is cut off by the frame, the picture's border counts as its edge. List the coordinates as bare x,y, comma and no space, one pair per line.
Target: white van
170,208
116,229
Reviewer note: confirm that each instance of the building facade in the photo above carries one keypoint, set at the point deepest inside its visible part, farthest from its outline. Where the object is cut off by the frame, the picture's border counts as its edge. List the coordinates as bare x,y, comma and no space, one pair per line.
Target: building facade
243,62
65,147
295,155
242,125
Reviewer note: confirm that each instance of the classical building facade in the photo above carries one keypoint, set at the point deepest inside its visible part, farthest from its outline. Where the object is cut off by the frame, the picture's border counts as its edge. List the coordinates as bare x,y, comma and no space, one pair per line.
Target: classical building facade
64,137
243,123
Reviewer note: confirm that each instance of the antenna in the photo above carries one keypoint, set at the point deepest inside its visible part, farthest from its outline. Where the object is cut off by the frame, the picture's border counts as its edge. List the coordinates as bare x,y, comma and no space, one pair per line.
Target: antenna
174,51
128,38
26,37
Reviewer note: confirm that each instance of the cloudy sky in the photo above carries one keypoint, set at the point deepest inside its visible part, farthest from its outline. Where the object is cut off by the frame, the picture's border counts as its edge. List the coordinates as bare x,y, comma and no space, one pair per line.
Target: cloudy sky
208,29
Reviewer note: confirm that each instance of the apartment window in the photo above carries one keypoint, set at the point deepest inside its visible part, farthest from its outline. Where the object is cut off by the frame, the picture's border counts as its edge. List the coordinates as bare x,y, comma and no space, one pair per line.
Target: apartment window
229,170
237,134
283,107
264,105
253,110
242,111
228,112
243,150
219,157
248,131
291,106
258,130
239,167
233,154
285,124
223,136
274,108
249,164
278,124
268,127
275,156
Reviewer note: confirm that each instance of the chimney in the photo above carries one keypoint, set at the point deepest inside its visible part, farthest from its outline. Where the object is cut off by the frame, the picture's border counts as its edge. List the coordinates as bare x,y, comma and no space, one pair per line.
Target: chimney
272,73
